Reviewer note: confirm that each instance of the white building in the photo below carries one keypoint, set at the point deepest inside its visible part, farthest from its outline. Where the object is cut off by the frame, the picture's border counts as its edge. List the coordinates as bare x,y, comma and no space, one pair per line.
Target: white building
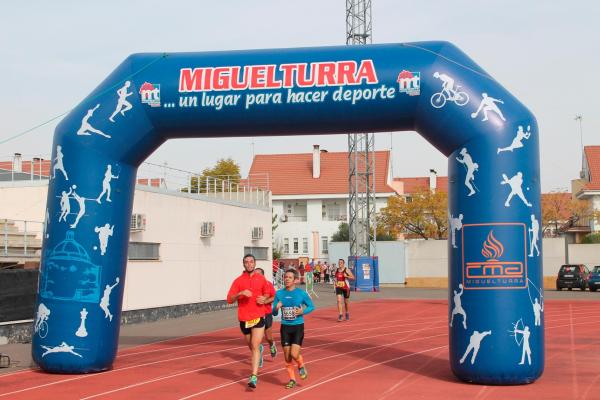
184,248
310,197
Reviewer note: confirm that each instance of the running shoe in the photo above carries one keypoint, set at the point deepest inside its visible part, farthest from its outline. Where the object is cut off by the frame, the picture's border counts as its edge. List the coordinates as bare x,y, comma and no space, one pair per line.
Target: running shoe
303,372
347,316
273,350
340,319
260,360
252,381
290,384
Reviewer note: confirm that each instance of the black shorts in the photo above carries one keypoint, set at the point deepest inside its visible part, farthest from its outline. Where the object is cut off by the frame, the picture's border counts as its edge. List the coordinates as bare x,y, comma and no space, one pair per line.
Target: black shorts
292,334
268,320
247,331
342,292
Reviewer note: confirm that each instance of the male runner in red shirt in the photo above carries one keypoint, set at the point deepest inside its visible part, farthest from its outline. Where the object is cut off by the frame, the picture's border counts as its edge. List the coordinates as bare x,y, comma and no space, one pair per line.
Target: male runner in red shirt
250,290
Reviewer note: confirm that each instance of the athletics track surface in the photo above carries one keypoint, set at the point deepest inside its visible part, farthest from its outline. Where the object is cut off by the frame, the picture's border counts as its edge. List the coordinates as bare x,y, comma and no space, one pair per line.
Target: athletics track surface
390,349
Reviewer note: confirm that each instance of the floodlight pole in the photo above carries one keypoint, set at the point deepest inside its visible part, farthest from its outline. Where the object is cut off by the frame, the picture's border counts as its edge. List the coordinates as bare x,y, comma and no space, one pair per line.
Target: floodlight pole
361,148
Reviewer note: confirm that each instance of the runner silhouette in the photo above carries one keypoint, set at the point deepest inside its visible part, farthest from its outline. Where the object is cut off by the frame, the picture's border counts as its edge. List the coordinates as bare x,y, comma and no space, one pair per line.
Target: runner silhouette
122,104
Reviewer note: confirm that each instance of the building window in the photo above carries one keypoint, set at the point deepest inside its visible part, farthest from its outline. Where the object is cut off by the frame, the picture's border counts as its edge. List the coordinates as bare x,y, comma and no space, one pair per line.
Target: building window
260,253
324,244
304,245
286,246
295,245
143,251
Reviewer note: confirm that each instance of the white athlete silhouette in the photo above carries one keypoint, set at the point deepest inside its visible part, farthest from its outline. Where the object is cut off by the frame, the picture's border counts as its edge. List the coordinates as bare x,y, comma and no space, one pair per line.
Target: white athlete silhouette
458,306
526,349
62,348
515,184
538,309
488,103
46,223
65,205
86,128
535,236
122,104
455,225
82,332
43,313
448,92
81,202
517,142
474,344
105,301
471,167
108,176
59,164
103,233
447,83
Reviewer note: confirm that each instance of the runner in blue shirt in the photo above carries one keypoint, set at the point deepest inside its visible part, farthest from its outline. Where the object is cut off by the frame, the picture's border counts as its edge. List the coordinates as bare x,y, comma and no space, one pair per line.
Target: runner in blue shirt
291,301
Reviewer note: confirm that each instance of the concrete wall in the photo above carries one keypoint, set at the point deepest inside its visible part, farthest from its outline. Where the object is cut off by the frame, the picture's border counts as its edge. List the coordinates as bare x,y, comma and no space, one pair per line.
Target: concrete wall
588,254
392,259
191,269
427,261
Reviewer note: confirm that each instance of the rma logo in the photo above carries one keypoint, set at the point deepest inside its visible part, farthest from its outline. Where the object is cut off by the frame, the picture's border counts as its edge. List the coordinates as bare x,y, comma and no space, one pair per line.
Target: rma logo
500,264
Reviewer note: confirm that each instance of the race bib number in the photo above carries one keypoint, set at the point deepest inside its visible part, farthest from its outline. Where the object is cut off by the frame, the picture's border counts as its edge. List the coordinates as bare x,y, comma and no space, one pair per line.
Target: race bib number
251,323
288,313
340,284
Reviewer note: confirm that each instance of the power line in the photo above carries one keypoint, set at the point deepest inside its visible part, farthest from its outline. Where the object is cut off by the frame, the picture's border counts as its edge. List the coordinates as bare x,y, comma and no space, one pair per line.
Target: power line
118,84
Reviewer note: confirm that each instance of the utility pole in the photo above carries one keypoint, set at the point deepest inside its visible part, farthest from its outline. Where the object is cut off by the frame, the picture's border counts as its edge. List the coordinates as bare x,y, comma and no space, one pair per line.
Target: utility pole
580,119
361,146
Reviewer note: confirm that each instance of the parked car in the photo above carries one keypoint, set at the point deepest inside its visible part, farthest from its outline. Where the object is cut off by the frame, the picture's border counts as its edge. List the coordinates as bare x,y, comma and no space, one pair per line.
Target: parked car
572,275
594,281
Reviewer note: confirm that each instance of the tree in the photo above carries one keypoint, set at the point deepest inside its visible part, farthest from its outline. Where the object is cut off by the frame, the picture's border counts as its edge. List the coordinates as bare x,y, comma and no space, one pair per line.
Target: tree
560,211
226,174
424,215
343,233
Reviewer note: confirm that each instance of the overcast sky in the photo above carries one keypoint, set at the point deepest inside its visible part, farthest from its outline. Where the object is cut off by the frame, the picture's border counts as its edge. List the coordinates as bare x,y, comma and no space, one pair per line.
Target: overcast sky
545,52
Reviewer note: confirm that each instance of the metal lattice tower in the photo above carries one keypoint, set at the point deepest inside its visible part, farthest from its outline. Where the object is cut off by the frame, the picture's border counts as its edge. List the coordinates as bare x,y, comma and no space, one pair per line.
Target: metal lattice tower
361,146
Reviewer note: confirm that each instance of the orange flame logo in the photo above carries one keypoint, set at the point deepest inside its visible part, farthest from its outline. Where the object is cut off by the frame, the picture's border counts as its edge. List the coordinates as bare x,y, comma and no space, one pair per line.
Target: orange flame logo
492,248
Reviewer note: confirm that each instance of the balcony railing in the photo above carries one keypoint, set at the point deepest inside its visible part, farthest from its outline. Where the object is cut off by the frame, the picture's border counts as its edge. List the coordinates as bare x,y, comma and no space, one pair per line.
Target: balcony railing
20,241
335,218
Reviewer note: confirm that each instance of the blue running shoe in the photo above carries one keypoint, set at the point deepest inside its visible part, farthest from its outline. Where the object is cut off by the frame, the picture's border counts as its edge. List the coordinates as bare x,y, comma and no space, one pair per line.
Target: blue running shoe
303,372
253,381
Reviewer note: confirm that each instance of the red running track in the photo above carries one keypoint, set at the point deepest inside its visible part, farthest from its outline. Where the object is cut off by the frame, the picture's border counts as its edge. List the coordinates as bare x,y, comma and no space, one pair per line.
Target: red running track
390,349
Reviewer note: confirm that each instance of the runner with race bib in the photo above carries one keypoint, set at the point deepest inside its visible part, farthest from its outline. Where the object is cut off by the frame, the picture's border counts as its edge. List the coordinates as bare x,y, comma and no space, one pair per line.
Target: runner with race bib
294,303
342,288
251,291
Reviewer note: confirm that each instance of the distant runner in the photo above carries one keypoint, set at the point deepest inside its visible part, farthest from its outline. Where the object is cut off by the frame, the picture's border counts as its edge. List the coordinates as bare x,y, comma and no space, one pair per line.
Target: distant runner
268,319
342,288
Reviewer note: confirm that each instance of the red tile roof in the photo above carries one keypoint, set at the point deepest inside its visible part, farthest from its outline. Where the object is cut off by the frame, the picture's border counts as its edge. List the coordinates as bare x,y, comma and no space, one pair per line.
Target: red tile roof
413,185
27,165
291,174
592,155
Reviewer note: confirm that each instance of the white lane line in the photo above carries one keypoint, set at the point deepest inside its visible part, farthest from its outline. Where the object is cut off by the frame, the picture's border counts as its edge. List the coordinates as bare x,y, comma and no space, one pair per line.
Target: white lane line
362,369
103,374
315,361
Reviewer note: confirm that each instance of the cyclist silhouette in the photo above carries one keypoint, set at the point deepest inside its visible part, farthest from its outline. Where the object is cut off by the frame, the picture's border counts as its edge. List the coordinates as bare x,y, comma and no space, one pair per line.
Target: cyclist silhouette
448,92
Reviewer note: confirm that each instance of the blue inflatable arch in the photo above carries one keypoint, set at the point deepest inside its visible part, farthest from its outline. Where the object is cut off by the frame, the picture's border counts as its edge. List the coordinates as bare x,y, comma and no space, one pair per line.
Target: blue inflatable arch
491,140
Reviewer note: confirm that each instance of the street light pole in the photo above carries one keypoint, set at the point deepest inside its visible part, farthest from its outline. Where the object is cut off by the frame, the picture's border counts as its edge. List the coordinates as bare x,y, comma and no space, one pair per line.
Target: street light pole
580,119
